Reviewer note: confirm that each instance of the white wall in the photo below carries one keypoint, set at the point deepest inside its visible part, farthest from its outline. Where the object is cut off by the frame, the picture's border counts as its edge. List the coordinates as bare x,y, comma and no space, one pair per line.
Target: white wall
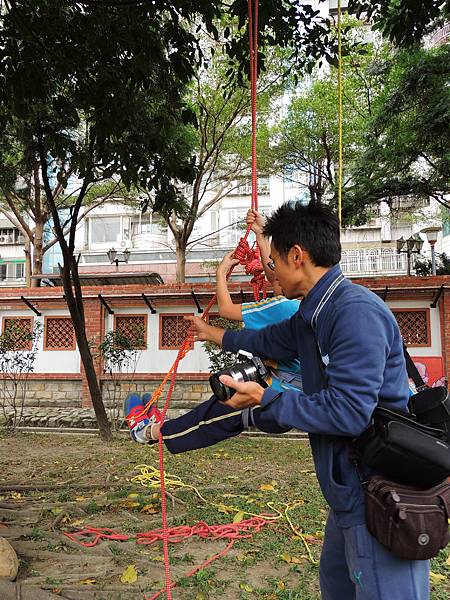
48,361
435,328
154,360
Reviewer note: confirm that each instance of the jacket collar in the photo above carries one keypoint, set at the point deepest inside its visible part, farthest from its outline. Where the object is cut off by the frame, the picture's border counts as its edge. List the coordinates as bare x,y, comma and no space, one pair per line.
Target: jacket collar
319,293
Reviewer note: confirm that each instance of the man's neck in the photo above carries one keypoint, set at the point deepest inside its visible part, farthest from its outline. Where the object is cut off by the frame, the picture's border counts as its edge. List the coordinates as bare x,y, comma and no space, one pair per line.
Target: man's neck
313,275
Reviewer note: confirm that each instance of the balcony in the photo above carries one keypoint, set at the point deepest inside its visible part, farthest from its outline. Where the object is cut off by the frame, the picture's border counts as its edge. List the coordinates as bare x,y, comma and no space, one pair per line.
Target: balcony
371,262
147,240
439,37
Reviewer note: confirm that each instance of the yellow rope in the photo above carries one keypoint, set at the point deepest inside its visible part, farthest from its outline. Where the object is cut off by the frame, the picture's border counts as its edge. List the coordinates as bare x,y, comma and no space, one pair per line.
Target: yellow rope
150,477
340,110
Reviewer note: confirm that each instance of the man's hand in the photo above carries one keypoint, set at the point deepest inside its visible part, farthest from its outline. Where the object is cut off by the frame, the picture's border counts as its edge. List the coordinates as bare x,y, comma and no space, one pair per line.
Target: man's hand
202,332
247,393
228,262
255,220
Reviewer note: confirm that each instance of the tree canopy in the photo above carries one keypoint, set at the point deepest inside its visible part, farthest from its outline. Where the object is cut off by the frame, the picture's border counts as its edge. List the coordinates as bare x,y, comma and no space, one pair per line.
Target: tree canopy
403,22
407,141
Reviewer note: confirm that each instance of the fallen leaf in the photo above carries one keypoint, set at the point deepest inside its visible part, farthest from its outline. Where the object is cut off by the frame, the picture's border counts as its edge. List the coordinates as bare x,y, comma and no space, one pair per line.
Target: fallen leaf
281,585
133,495
88,582
128,503
130,575
447,562
238,517
292,559
246,587
149,509
266,487
436,577
80,498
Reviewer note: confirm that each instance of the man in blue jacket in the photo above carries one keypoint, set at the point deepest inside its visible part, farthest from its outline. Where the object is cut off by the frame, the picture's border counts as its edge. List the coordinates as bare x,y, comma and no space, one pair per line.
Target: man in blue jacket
350,348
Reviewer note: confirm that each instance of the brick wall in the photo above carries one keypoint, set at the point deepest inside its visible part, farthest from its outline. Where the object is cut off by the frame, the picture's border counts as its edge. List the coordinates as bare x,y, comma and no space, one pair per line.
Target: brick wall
50,393
190,387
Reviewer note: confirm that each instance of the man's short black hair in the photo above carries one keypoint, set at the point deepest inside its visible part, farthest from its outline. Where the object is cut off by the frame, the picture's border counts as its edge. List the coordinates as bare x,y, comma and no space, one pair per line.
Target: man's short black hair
314,227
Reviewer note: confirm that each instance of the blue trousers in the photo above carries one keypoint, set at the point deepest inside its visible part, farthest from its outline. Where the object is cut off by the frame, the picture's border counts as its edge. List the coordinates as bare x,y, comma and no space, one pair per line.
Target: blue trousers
354,566
209,423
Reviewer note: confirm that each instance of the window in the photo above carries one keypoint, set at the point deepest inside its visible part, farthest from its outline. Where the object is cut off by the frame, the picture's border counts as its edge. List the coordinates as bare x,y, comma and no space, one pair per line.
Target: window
59,334
104,230
20,270
18,332
134,328
414,326
148,223
3,272
173,330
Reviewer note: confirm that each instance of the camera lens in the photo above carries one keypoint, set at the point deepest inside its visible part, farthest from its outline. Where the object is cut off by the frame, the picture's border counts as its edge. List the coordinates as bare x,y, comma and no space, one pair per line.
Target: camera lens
242,372
220,390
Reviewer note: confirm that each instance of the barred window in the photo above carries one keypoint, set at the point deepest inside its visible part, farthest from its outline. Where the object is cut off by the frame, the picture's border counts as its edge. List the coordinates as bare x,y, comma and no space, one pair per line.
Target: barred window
414,326
17,333
134,328
173,330
59,334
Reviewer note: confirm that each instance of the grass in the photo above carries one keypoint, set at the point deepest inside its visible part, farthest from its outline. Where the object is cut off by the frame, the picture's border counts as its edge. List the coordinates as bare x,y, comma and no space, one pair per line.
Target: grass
252,475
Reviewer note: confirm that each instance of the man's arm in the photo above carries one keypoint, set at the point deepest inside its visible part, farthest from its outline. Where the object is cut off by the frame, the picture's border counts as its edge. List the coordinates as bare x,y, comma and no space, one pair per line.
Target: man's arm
355,374
276,341
227,308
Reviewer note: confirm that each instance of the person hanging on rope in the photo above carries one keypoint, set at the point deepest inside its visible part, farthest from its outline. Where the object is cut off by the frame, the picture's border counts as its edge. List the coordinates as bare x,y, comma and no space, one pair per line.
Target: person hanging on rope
351,352
211,421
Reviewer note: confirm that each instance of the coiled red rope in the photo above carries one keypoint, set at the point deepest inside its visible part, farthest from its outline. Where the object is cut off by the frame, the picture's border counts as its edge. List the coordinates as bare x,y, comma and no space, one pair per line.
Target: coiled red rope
91,536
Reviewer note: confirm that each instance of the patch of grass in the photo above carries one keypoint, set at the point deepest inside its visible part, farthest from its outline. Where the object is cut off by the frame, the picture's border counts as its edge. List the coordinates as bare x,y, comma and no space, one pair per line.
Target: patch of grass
35,534
92,508
64,496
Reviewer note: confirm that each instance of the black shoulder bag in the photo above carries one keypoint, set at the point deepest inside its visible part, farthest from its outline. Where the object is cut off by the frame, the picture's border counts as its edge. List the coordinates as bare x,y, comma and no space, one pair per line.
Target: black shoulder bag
410,448
408,512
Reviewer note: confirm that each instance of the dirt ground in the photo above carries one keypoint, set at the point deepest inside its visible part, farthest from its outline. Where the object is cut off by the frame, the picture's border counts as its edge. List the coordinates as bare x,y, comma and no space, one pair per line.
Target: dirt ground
50,484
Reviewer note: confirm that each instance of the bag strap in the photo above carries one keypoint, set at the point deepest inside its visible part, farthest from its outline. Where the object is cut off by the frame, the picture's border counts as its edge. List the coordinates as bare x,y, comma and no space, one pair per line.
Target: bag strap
412,371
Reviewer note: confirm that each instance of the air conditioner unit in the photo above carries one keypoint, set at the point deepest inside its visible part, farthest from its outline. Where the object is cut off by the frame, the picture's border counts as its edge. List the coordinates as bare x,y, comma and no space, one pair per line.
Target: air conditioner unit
4,239
125,244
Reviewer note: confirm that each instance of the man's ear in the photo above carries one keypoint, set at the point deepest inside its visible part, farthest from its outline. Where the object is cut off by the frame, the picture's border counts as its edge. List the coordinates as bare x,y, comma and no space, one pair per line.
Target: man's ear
297,255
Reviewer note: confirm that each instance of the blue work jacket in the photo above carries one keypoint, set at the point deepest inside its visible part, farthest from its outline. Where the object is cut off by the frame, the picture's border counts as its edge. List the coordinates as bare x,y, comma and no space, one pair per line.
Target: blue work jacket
351,352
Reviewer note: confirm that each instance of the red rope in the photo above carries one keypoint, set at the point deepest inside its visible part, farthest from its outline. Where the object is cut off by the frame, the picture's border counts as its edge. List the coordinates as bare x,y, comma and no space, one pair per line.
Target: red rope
250,258
91,536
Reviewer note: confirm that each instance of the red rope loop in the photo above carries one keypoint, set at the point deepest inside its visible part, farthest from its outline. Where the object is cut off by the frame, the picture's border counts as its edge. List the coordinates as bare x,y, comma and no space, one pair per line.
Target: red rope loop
250,258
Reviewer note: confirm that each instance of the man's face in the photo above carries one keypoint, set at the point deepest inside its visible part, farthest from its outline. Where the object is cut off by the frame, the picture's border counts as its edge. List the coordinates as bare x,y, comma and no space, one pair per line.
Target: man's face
288,272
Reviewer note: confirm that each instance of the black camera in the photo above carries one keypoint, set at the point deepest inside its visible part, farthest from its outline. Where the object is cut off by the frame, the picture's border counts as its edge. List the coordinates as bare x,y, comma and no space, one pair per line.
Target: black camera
252,369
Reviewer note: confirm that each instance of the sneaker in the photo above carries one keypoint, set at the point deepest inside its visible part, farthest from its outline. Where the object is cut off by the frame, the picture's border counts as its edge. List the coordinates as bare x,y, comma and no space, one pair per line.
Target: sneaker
138,421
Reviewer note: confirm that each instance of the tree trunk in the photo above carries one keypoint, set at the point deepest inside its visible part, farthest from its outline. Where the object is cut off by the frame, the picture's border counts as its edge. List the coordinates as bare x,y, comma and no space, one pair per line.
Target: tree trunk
181,261
38,253
27,262
84,349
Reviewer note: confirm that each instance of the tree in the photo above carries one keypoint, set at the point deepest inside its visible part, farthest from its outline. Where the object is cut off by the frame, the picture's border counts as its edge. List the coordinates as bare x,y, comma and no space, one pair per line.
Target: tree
424,267
27,208
112,108
404,22
308,135
95,89
406,152
222,142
